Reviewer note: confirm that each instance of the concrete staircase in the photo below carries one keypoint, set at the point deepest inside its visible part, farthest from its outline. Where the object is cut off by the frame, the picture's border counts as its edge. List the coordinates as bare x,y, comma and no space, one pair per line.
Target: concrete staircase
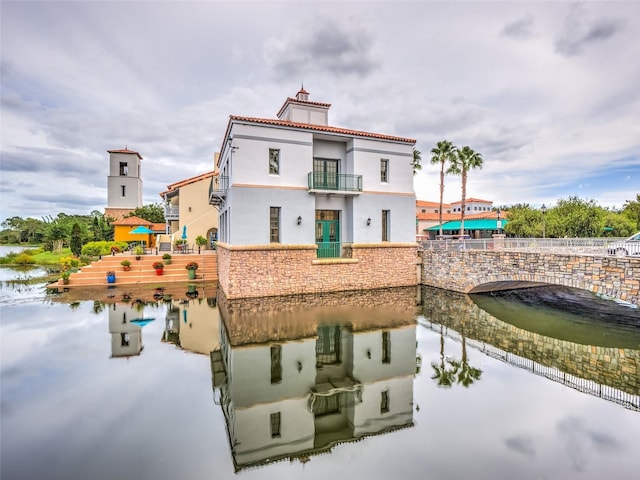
142,271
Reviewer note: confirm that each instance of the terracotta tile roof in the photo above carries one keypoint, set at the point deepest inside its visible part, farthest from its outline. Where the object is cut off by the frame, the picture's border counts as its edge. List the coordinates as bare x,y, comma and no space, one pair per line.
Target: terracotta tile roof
159,227
132,221
425,203
187,181
472,200
318,128
126,150
436,216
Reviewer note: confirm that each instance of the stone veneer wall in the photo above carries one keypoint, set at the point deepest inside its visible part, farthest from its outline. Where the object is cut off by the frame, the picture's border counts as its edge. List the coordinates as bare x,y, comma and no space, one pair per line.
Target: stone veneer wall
274,269
461,271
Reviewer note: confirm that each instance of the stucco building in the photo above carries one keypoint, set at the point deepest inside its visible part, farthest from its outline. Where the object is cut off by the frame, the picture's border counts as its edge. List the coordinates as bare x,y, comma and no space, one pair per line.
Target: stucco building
187,211
307,207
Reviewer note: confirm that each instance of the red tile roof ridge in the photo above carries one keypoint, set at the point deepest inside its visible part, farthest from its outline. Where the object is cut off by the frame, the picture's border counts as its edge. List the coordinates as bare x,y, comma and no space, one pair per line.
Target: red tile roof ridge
187,181
132,221
127,151
321,128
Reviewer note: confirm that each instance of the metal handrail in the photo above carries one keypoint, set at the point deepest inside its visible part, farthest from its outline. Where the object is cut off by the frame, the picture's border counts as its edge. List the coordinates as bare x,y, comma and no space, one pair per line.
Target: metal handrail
591,246
334,181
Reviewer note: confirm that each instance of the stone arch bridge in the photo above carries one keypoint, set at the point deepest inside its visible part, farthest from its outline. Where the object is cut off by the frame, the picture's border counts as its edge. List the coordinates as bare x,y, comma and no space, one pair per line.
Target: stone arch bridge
471,271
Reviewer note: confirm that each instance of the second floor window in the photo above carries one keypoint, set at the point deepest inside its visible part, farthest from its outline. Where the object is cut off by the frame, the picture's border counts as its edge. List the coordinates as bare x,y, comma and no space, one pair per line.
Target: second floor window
274,161
384,170
274,224
124,169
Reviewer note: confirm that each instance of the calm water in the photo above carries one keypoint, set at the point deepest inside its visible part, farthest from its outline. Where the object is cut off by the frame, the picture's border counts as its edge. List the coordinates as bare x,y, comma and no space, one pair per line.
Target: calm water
400,383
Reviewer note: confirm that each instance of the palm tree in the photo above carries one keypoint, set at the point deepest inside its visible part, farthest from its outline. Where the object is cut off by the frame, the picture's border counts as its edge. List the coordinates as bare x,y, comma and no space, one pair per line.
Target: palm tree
464,160
443,153
417,158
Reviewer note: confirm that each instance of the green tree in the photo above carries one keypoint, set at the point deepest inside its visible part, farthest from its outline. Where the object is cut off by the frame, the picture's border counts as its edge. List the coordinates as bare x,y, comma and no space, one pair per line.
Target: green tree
575,217
75,243
618,225
417,159
154,212
442,153
464,160
631,210
54,238
524,221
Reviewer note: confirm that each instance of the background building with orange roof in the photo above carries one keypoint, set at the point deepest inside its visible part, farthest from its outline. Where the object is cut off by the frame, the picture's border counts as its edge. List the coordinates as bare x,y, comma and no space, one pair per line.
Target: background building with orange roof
187,211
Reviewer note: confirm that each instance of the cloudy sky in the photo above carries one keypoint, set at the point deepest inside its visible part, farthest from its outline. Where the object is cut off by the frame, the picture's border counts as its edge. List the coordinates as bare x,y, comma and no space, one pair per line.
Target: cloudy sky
547,92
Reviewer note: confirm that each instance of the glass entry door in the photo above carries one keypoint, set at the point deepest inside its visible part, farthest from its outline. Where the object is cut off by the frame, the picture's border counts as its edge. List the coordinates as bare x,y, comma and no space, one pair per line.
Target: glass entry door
328,233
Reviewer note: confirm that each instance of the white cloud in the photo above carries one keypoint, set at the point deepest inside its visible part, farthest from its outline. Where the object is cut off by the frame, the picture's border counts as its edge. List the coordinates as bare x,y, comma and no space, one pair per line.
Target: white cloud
547,92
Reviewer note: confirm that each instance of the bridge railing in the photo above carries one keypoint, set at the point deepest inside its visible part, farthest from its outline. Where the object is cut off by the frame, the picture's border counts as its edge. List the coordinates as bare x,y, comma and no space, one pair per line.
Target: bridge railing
591,246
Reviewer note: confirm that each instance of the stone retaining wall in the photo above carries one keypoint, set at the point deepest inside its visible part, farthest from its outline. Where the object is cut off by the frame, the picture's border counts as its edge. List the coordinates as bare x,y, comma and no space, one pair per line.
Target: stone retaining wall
461,271
272,270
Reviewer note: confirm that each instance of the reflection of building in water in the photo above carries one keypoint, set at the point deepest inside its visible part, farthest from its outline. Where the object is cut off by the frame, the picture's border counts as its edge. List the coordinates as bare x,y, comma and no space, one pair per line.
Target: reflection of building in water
192,325
611,372
294,396
125,326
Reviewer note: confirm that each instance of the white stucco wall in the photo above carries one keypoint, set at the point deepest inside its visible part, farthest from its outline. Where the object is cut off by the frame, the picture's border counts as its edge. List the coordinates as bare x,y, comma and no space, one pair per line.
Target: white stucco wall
250,371
253,190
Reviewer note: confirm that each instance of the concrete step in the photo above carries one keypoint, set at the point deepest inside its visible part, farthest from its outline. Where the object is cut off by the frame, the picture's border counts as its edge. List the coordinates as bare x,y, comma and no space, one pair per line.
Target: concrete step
142,271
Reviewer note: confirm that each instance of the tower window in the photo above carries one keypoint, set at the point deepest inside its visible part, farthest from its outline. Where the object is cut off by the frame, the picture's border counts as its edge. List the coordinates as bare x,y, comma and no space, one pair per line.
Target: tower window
124,190
124,169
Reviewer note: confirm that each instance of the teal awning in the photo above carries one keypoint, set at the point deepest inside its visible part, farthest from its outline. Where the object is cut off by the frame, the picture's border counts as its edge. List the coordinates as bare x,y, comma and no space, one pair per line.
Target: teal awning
141,230
475,224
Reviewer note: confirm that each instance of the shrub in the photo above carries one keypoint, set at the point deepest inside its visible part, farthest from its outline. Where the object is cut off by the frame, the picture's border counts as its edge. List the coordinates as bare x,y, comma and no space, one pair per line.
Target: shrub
191,266
158,265
95,249
166,256
125,263
24,259
69,262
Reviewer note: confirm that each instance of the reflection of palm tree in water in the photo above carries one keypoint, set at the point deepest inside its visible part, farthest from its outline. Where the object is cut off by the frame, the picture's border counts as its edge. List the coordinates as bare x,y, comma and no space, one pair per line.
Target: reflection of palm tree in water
466,373
459,370
442,374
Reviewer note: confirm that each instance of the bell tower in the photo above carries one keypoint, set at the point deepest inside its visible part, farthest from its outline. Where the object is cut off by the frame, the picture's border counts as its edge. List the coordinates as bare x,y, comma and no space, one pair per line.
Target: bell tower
124,183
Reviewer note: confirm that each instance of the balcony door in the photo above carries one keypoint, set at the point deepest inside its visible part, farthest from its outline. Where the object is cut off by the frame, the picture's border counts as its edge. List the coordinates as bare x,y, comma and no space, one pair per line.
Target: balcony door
328,233
325,173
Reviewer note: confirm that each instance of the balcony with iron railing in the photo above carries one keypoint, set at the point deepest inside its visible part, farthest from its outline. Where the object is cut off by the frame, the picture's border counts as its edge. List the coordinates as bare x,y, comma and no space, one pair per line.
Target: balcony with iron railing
218,190
171,212
343,183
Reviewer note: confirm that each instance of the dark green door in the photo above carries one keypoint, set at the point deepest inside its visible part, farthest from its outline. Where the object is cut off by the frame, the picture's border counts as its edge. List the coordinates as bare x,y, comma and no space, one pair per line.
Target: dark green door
328,238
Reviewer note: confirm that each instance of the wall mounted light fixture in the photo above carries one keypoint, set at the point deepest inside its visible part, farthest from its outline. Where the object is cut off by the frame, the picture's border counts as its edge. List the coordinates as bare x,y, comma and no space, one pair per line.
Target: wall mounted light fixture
368,221
299,219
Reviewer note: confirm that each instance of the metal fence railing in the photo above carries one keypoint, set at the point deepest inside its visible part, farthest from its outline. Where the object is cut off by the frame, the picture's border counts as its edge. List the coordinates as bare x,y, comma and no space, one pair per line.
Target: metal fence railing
590,246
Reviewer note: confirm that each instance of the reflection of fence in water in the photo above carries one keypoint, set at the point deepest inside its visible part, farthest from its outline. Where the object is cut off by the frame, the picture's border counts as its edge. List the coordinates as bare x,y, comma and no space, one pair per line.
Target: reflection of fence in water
605,392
